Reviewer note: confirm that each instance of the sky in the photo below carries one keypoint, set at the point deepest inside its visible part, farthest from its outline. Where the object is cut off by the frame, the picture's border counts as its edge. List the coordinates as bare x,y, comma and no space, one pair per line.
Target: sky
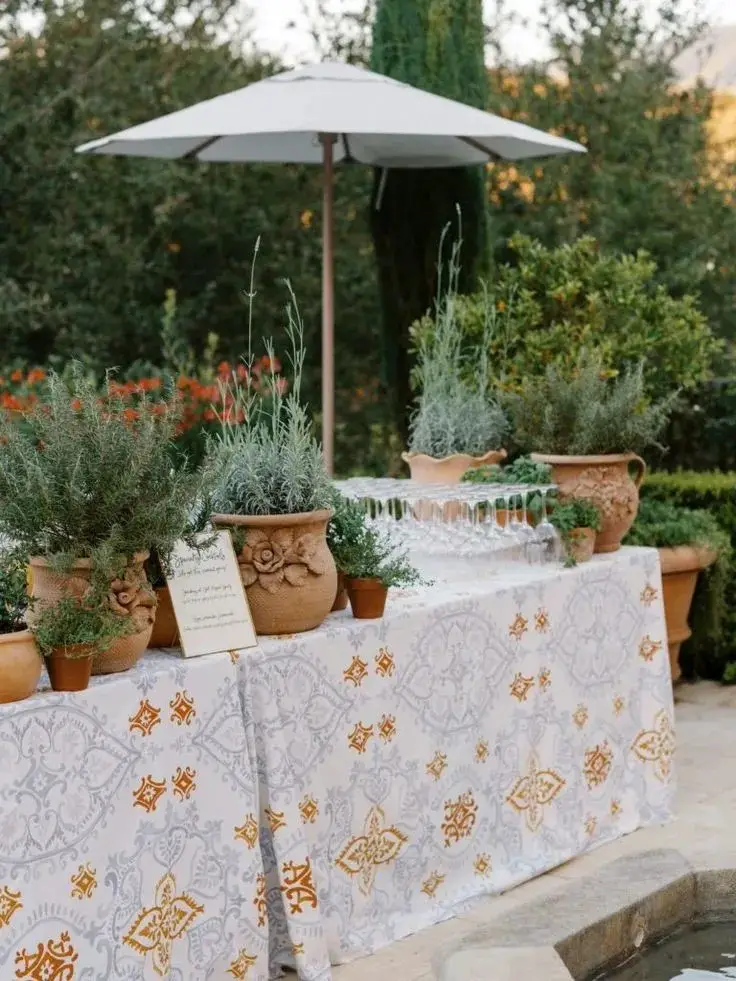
271,18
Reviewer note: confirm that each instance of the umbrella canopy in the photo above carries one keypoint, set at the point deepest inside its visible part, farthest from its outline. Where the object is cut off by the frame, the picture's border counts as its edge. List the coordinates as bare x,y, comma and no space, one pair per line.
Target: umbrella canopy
332,114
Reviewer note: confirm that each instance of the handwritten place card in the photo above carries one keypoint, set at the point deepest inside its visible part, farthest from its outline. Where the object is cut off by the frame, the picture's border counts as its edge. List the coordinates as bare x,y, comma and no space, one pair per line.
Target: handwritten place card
209,601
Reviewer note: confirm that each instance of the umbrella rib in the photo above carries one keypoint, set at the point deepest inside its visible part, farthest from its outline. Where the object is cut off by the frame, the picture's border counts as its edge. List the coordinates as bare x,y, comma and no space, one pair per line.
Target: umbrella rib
204,145
479,146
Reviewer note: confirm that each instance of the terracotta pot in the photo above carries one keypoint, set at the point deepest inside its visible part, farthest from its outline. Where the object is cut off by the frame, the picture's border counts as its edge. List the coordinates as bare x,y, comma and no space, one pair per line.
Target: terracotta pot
680,568
130,596
341,599
20,666
448,469
367,598
165,630
604,480
581,544
70,673
287,569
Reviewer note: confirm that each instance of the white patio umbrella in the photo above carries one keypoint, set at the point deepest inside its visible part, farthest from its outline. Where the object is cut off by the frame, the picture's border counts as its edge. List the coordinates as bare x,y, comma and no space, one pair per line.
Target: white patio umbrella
332,114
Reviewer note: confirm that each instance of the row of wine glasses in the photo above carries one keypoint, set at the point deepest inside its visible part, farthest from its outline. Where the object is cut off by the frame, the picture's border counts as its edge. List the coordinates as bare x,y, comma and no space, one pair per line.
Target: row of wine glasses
461,520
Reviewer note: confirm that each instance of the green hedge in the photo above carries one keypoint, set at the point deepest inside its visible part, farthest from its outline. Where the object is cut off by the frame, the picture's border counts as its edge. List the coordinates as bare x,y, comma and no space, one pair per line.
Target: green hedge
711,647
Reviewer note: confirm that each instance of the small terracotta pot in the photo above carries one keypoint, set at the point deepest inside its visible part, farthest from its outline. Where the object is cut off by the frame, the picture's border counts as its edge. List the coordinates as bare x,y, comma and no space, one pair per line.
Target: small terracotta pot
367,598
20,666
47,587
581,544
165,630
605,480
448,469
70,673
680,569
341,599
287,569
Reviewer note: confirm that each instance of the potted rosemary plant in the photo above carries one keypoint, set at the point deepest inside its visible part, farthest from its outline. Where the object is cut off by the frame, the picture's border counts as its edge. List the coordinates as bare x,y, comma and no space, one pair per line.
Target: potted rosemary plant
456,425
20,663
273,492
577,521
689,541
370,563
87,489
71,632
589,429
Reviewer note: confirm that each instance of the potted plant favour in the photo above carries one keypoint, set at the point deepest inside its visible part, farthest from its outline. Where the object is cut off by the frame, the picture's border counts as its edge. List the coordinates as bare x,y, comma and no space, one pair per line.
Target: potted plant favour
71,632
370,563
20,662
87,489
273,492
522,471
577,522
589,428
345,527
456,425
688,541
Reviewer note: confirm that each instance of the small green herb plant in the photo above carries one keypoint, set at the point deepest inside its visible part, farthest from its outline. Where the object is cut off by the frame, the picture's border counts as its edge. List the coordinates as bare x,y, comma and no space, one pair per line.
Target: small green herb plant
360,552
73,621
271,463
571,516
13,597
453,415
587,412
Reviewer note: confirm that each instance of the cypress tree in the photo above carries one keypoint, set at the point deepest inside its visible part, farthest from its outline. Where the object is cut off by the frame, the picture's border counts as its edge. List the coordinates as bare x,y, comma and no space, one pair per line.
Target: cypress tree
436,45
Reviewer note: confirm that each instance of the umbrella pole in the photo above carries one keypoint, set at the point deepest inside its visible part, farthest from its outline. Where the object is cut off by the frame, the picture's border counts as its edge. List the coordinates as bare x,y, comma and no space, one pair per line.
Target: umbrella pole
328,305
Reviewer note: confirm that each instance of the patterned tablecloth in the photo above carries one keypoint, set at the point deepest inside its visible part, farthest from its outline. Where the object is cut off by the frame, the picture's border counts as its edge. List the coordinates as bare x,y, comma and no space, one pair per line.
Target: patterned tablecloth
477,736
128,831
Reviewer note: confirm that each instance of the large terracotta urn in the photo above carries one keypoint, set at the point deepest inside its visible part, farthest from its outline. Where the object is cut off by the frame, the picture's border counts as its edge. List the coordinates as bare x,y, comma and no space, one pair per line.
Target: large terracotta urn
20,666
287,568
680,569
607,481
448,469
130,597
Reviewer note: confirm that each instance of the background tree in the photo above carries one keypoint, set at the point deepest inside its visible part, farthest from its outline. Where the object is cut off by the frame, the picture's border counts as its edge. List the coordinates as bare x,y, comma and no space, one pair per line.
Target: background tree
437,45
650,179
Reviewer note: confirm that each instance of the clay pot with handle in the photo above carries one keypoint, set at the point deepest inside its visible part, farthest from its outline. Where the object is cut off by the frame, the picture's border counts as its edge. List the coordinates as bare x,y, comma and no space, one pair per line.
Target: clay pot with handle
607,481
449,469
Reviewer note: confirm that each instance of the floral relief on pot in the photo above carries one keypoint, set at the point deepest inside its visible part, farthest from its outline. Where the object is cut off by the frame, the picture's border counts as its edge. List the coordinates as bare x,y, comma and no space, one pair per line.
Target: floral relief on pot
281,555
605,480
286,567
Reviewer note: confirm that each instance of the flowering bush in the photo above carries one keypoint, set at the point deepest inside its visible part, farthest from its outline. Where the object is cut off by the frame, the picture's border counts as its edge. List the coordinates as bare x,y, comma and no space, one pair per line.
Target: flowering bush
203,400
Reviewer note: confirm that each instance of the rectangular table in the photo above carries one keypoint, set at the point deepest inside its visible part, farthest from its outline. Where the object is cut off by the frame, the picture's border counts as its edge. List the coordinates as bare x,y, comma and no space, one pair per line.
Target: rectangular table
129,830
477,736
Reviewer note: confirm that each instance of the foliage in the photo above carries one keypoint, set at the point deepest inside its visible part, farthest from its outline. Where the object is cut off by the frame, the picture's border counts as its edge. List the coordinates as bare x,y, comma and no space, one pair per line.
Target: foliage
650,179
73,621
702,431
80,475
346,526
271,463
372,555
86,271
453,415
587,412
551,303
13,597
660,524
439,47
569,517
713,613
523,470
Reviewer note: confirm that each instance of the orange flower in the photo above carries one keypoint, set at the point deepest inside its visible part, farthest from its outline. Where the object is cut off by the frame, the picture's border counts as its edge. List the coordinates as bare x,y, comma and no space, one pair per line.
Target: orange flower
210,415
36,375
76,405
130,415
17,375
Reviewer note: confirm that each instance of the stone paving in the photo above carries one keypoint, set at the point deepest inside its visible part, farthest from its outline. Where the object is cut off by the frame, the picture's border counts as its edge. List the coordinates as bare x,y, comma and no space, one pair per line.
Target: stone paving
703,833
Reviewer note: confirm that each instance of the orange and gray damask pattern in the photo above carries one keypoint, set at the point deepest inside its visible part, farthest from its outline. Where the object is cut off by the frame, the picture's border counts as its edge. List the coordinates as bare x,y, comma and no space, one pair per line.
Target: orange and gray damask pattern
472,739
118,851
